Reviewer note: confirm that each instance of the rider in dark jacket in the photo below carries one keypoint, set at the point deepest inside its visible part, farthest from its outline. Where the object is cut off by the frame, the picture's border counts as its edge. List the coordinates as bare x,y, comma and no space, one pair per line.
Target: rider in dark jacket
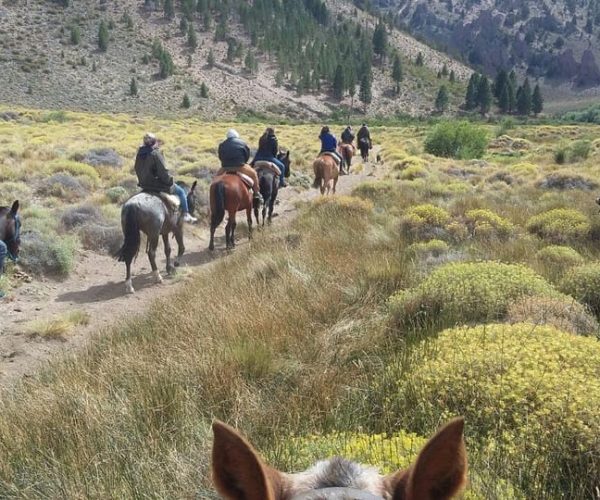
364,133
347,135
154,177
268,148
234,155
329,144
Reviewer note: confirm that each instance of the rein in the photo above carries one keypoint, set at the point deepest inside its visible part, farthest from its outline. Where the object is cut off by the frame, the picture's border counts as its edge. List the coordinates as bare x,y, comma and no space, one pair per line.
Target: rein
14,238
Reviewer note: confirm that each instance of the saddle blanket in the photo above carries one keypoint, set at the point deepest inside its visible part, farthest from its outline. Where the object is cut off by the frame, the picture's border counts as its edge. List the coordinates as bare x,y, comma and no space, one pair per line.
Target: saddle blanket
245,179
267,165
334,156
171,201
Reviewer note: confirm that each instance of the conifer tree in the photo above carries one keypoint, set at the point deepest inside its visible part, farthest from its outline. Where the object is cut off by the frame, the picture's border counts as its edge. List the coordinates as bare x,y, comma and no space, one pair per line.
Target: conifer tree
203,91
338,83
452,77
210,59
103,36
380,41
537,101
192,38
472,90
419,60
133,88
365,94
484,95
169,9
499,83
441,101
524,99
75,35
504,98
186,103
397,74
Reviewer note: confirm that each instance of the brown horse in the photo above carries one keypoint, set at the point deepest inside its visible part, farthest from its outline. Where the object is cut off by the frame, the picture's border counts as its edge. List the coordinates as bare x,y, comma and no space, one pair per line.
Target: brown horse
439,472
228,193
347,152
326,174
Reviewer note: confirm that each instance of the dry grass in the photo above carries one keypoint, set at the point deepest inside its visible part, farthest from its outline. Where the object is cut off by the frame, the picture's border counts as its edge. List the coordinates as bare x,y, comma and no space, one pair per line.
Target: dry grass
58,328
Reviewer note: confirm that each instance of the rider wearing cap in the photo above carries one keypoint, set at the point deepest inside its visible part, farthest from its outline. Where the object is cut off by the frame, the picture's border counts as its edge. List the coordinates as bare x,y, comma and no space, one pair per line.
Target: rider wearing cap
234,155
153,175
329,144
268,148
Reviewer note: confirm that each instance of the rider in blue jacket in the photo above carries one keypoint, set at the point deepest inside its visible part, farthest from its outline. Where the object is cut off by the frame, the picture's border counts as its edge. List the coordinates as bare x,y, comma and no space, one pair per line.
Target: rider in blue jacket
329,144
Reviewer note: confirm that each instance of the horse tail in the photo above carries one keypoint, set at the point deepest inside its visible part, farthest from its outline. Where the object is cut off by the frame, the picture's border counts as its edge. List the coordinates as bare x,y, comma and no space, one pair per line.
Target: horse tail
265,185
319,167
217,208
131,233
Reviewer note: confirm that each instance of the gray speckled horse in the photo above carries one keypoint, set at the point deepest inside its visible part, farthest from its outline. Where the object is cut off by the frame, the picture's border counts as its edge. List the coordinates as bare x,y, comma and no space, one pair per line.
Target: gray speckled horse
148,213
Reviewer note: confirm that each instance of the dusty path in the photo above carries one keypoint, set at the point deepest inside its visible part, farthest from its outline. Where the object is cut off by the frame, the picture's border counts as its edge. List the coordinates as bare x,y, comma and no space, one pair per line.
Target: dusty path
97,287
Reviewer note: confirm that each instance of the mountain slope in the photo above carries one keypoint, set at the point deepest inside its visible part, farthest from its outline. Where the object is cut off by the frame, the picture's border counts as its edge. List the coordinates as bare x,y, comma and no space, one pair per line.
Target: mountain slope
49,57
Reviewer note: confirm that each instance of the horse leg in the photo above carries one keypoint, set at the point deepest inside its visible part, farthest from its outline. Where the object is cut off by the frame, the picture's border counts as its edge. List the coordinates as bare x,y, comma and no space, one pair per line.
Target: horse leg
249,217
229,232
334,184
128,282
178,233
152,246
167,247
271,208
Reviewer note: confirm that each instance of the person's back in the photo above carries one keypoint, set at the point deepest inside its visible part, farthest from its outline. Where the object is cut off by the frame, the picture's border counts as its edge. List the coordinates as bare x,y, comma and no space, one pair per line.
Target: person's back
347,136
328,142
233,153
364,133
268,146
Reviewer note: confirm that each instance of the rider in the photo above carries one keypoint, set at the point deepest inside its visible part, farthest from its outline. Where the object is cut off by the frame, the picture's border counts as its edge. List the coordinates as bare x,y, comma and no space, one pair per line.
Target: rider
329,144
348,136
364,133
234,155
153,175
268,147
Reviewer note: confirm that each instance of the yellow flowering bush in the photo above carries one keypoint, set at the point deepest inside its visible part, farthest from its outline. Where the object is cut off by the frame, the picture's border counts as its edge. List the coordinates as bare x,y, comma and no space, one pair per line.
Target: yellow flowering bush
566,314
583,284
557,255
431,248
425,221
413,172
533,392
466,292
560,225
487,224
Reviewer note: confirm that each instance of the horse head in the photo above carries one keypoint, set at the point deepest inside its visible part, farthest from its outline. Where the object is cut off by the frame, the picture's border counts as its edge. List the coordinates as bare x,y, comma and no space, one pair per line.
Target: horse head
10,229
439,472
192,198
284,157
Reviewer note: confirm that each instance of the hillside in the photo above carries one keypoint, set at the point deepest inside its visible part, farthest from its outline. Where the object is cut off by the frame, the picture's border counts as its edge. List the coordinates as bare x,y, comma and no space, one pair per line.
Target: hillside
555,41
50,58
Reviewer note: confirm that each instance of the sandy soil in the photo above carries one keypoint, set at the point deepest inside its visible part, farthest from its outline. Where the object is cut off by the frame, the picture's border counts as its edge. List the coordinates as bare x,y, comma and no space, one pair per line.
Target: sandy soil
97,287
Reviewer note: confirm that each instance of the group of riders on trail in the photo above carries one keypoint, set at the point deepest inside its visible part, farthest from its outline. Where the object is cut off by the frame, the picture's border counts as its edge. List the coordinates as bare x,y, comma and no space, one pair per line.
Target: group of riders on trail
234,155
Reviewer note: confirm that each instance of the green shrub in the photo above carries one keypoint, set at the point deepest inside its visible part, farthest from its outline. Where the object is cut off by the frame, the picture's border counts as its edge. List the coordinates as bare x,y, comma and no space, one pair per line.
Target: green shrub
583,284
432,248
486,224
456,140
560,225
565,314
531,396
560,156
117,194
48,254
559,257
413,172
466,292
425,222
579,150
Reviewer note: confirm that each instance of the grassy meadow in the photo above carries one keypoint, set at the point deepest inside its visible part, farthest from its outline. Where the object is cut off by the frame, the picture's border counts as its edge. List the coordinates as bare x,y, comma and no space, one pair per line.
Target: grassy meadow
443,287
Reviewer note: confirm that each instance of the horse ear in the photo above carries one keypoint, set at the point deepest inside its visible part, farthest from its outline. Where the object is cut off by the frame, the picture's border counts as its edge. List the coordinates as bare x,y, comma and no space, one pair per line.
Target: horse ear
238,471
287,155
193,186
15,207
440,470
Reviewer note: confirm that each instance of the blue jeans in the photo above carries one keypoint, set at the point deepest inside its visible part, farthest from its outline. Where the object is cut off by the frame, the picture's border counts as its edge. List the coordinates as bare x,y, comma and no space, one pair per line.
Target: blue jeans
3,254
180,192
277,162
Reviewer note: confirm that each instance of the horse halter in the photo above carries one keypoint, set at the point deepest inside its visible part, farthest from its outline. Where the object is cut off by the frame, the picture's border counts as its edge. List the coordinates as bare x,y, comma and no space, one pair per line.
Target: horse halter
15,237
337,494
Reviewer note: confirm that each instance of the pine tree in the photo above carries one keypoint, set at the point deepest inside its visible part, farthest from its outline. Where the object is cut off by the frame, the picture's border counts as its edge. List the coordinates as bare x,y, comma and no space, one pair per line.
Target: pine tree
169,9
452,77
75,35
397,74
338,83
231,46
203,91
186,103
504,98
419,61
441,101
166,66
133,88
499,83
279,76
380,41
444,71
484,95
365,95
524,99
210,58
192,38
103,36
512,97
183,25
472,89
537,101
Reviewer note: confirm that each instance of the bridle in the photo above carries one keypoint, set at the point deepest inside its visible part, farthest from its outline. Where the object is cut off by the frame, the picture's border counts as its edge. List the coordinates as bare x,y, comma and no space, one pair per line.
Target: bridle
336,494
15,237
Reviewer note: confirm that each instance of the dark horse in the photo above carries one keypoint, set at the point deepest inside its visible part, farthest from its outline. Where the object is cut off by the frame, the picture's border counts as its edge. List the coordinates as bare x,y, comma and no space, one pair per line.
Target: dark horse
364,146
347,152
269,187
228,193
148,213
10,233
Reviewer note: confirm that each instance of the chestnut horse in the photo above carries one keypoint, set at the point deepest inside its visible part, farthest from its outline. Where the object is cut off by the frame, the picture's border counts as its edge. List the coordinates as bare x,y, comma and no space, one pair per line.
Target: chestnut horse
228,193
439,472
347,152
326,174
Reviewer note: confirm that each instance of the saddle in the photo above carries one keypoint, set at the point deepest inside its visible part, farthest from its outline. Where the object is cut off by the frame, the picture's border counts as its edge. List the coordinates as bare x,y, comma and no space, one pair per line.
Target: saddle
171,201
245,179
334,156
267,165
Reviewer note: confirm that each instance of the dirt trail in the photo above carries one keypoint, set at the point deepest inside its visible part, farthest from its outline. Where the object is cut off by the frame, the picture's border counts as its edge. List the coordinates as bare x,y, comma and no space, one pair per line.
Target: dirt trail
96,286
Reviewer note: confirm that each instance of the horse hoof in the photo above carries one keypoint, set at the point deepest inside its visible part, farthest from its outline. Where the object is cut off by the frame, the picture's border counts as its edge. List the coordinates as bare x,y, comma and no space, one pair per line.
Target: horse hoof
176,263
170,270
157,277
129,287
